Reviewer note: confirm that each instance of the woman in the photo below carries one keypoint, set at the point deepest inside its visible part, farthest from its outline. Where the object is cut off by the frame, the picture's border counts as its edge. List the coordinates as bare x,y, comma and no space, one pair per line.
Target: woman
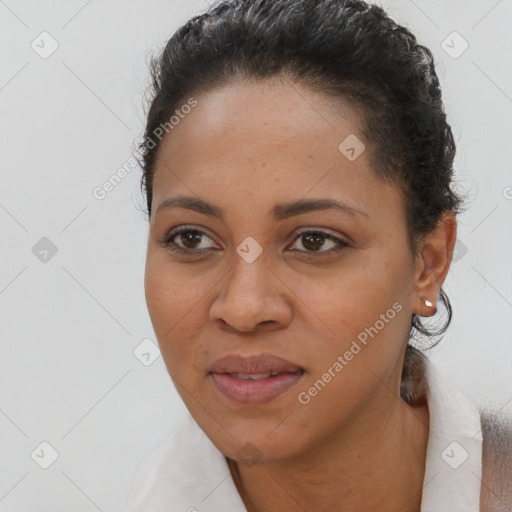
297,169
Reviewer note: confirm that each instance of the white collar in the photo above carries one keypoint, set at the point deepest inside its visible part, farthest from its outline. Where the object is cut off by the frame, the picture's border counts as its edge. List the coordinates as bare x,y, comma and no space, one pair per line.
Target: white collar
453,469
186,472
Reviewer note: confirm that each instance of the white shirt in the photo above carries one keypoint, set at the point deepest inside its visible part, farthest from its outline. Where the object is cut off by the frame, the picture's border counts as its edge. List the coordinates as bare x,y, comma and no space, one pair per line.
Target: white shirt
187,473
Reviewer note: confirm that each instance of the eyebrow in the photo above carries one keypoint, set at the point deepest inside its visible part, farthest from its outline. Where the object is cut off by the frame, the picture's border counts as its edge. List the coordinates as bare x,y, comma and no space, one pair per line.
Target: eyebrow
281,211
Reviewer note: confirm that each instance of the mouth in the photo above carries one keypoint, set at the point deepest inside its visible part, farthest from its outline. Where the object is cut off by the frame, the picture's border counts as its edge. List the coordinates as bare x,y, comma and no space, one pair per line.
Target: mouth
257,376
254,380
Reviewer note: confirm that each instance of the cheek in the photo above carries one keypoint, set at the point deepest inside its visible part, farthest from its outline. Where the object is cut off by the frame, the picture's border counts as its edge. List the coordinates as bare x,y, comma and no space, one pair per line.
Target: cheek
177,313
363,303
172,290
354,296
368,344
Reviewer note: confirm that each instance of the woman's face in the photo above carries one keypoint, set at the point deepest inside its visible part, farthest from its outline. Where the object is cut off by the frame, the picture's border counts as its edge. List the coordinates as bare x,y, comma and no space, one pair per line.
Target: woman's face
265,271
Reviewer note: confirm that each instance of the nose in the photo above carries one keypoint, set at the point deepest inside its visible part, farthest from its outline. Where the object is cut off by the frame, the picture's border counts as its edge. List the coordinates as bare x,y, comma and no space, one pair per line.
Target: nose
252,298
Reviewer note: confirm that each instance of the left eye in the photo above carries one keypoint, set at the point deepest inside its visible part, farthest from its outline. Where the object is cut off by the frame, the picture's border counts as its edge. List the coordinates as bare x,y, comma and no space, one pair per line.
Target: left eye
314,240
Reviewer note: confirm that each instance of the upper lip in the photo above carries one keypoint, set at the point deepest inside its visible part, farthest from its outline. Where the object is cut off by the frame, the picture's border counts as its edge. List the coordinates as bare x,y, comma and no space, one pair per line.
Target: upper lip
261,363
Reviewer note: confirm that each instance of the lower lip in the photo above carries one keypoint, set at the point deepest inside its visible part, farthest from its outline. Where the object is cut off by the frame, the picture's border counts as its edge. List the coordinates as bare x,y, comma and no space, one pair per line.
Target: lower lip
254,392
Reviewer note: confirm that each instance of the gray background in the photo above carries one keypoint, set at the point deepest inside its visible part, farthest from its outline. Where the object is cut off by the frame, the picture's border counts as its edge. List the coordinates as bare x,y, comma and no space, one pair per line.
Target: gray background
71,321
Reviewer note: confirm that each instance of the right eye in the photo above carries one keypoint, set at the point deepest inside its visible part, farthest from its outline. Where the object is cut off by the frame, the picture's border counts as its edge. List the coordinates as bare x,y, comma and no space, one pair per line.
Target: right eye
189,238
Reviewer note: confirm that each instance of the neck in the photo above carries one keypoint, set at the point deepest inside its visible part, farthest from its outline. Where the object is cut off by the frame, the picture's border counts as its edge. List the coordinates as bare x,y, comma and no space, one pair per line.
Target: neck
377,463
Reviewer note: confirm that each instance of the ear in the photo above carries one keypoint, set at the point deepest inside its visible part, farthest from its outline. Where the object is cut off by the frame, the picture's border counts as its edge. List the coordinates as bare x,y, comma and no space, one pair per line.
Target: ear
432,264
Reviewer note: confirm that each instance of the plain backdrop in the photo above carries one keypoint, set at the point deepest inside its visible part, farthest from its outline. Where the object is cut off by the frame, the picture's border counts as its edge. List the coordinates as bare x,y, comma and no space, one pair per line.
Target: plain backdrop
83,389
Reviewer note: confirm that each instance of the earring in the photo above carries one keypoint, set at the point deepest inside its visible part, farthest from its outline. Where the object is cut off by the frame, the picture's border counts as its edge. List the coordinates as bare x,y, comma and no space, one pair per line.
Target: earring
429,305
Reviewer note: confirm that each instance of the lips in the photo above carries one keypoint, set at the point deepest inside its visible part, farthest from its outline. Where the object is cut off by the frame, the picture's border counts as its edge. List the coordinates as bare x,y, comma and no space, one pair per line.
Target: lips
253,365
254,376
254,380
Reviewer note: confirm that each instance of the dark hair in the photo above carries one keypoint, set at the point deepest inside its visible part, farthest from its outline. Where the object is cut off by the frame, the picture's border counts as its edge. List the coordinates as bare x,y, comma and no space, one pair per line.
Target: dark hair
342,48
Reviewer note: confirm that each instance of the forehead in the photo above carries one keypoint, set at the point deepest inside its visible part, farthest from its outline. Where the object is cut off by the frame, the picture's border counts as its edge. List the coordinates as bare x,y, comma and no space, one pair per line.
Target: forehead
278,100
270,140
254,119
272,110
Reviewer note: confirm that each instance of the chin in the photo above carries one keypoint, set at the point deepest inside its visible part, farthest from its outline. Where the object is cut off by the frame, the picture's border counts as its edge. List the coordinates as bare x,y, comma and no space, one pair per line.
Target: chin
253,441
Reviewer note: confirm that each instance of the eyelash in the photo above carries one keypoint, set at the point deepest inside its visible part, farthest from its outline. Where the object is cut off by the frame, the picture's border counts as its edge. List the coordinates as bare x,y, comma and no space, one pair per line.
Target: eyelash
168,242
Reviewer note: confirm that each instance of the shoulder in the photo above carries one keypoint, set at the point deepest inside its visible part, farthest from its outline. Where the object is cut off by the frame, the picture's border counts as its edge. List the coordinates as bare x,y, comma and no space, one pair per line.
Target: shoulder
496,493
496,435
181,472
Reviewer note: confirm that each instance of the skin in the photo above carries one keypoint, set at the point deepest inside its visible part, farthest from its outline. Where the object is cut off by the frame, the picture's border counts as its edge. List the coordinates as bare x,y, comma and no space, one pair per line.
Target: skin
356,446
